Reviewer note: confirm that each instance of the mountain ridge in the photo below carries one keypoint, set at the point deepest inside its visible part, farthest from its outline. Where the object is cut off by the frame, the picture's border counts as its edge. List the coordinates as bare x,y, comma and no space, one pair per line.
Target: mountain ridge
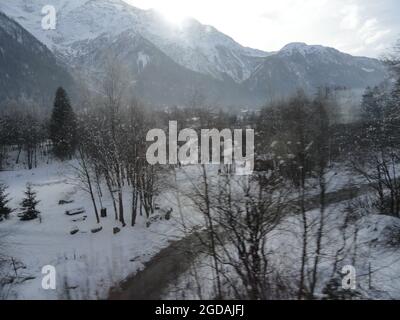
29,69
194,49
195,46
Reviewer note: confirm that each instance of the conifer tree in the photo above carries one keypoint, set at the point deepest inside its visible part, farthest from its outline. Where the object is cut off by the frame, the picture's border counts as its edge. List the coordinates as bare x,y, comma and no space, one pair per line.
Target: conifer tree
63,126
4,200
28,204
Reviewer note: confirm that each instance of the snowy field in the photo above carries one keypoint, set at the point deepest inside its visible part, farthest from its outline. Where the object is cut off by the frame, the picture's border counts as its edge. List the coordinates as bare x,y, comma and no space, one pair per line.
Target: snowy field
87,264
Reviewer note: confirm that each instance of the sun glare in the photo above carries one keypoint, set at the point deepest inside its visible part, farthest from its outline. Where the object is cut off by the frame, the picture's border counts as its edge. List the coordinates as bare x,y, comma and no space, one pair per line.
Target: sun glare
174,14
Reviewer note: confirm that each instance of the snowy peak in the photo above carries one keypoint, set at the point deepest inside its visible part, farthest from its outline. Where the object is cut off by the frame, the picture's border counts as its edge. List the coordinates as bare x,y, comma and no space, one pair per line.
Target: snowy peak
313,55
298,65
294,46
195,46
305,49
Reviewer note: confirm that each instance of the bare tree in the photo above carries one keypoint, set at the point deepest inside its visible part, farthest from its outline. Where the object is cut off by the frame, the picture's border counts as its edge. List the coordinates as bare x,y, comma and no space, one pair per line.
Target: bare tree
239,215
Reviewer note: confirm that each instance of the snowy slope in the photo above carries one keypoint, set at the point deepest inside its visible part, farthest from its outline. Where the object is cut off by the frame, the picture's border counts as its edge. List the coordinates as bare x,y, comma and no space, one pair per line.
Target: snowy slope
298,65
27,67
195,46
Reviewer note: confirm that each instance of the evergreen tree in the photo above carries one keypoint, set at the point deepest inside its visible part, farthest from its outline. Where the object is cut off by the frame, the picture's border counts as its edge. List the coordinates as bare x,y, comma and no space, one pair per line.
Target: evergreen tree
29,204
4,209
63,126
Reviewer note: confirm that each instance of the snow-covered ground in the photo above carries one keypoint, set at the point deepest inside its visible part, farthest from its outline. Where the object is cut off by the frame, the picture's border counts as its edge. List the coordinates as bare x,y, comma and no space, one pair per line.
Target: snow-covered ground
87,263
374,252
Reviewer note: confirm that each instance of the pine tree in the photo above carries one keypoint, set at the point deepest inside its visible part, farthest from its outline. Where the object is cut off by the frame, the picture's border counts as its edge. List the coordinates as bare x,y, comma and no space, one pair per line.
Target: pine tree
63,126
29,204
4,209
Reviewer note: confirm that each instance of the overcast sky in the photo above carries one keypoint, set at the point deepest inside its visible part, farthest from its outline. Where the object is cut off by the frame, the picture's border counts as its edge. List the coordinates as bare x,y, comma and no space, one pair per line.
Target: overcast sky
359,27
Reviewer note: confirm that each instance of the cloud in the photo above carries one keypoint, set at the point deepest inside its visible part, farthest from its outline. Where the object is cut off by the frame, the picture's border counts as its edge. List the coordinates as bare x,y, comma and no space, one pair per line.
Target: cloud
351,19
371,31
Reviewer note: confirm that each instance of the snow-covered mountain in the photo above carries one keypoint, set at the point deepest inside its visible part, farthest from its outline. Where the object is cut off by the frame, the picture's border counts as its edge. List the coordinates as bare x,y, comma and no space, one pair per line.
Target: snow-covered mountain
298,65
28,68
168,62
195,46
157,78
